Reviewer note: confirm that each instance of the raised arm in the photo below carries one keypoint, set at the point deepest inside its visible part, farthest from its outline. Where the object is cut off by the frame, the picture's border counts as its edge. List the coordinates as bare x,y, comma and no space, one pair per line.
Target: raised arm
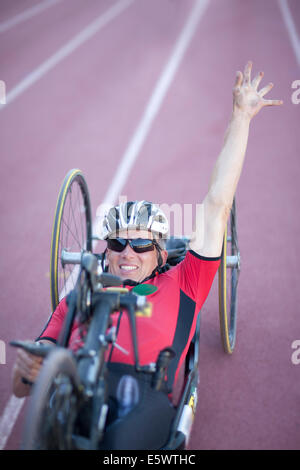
247,101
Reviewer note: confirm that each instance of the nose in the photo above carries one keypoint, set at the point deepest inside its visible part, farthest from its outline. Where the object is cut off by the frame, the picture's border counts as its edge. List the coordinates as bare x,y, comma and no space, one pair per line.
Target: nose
128,251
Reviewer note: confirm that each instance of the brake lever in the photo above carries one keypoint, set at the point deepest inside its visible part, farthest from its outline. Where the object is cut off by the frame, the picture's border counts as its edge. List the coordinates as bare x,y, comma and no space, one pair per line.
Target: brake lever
40,349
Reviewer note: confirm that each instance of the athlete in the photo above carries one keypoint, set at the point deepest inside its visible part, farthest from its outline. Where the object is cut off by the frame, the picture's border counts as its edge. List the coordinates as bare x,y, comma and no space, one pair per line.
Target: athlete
135,233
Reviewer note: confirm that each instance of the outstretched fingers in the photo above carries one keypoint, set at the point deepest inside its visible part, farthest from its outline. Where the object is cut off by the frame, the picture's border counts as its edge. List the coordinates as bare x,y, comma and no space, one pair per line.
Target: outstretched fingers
247,73
238,79
256,81
265,90
246,96
272,102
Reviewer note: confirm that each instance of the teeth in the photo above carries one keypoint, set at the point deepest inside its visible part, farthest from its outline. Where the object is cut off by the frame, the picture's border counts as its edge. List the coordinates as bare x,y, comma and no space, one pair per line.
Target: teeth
128,268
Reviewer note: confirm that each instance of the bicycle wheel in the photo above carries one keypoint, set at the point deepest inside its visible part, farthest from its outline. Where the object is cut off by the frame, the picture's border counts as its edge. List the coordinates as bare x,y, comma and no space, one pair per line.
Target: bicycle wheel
72,232
228,281
54,403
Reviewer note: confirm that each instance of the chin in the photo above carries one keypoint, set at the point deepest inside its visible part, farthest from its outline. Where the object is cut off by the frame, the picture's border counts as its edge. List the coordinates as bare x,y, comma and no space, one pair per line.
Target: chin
132,278
129,275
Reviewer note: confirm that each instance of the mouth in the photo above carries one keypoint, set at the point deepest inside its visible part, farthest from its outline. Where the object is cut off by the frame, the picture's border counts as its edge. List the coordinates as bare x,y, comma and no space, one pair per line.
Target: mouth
128,268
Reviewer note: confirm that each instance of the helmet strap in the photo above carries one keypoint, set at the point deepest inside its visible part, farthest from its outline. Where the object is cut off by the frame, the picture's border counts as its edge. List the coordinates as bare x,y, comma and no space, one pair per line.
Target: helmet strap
159,258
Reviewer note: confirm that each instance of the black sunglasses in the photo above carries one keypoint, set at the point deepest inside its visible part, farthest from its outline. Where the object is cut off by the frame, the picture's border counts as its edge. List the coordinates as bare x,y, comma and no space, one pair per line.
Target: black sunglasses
139,245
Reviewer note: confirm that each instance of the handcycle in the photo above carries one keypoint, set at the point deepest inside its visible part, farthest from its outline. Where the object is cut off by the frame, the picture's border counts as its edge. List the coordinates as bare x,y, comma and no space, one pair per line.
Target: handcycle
71,382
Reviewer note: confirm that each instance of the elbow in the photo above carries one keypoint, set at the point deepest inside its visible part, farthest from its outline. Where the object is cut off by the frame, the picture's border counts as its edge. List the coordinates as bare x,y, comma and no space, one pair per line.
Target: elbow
219,205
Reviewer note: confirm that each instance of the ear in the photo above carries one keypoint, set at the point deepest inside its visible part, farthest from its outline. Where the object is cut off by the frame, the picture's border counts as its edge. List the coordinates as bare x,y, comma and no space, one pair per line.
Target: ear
107,255
164,255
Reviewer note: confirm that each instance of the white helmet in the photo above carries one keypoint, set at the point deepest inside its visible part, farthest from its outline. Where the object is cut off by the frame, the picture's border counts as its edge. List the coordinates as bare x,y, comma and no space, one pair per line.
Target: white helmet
141,215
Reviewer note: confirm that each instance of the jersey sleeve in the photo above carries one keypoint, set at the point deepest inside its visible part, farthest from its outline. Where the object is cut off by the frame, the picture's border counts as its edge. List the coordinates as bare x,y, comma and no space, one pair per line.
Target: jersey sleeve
196,274
54,325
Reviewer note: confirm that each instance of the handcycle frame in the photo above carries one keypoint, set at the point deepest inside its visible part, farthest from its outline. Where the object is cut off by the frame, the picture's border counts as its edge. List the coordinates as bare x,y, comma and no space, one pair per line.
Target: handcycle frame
90,360
88,294
106,303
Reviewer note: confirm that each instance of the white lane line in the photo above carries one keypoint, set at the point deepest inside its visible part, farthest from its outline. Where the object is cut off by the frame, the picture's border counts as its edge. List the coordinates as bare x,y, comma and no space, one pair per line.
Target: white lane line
290,25
93,28
152,108
26,15
9,417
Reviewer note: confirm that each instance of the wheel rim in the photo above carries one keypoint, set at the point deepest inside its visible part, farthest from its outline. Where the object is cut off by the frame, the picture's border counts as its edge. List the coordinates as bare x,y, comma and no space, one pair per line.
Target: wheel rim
54,404
72,232
228,280
59,416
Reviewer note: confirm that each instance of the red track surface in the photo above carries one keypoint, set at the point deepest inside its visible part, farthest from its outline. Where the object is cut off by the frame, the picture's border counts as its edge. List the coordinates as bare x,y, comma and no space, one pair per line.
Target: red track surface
83,114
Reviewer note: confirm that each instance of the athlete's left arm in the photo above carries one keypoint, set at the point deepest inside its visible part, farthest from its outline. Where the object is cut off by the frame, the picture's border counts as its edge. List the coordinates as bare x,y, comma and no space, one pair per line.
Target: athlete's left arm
207,237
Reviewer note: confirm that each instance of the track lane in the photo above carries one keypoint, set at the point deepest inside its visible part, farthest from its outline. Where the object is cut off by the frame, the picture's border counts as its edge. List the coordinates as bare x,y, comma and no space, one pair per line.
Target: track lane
26,14
54,28
11,9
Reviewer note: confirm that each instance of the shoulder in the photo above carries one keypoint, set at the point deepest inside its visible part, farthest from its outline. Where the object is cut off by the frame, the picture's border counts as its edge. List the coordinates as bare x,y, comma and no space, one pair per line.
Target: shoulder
193,256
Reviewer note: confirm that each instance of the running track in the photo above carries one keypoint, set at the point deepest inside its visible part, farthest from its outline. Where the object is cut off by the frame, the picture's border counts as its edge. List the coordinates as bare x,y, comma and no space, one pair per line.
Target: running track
79,77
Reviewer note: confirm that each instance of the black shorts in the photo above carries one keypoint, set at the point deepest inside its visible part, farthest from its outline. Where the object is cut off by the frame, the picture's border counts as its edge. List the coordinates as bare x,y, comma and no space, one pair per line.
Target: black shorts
147,426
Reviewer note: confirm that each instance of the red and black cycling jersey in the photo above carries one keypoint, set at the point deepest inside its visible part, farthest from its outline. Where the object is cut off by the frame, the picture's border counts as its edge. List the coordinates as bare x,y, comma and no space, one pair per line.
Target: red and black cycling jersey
181,292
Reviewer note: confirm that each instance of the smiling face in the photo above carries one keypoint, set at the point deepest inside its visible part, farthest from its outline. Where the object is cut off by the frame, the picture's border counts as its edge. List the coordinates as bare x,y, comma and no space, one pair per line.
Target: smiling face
131,265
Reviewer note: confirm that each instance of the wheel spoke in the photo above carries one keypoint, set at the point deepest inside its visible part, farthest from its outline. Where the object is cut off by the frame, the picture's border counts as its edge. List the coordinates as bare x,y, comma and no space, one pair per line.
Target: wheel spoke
69,246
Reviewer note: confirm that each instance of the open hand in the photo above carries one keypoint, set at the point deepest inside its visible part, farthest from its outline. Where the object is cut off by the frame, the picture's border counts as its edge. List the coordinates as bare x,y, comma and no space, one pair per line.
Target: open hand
246,97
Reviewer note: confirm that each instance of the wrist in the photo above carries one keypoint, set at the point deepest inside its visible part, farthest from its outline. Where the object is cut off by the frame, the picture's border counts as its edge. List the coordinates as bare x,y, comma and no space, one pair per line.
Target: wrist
239,114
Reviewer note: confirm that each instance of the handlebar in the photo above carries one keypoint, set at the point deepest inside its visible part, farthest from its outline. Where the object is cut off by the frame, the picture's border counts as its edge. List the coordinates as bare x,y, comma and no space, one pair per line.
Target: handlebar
37,349
107,296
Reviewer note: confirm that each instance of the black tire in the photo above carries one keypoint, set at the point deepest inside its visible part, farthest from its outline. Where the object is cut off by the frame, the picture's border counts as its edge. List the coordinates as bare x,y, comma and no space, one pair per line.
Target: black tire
228,282
53,405
72,232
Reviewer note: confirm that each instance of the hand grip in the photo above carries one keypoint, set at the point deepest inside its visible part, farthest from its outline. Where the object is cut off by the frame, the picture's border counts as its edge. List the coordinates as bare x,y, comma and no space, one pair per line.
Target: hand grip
39,349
